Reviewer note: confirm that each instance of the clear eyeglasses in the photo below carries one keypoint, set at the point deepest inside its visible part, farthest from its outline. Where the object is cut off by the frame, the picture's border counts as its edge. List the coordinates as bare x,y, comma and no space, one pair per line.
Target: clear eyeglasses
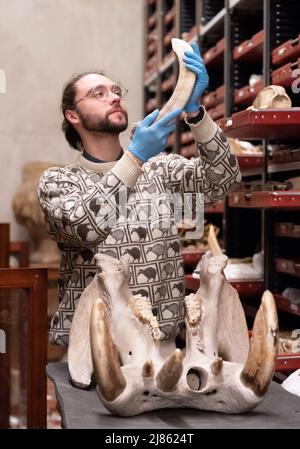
101,92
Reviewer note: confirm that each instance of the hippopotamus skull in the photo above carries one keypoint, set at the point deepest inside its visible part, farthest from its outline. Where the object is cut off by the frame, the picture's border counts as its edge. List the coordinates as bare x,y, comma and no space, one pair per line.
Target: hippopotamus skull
115,335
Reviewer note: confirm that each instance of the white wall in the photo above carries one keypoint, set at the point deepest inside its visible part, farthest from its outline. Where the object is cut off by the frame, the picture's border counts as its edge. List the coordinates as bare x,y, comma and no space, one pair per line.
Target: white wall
42,44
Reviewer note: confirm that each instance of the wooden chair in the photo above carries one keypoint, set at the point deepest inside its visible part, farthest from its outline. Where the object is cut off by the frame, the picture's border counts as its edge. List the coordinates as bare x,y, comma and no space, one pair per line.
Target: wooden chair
21,251
23,326
16,248
4,245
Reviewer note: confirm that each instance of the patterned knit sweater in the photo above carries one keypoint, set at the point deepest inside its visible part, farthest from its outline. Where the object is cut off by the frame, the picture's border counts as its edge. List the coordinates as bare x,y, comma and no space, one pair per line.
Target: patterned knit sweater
104,207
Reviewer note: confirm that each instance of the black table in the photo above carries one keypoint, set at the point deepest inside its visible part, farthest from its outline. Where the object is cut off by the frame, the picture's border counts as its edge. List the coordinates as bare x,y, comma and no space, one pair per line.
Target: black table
82,409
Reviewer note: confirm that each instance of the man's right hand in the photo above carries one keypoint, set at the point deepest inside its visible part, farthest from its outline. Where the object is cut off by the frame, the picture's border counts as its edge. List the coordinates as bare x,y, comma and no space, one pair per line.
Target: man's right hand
149,138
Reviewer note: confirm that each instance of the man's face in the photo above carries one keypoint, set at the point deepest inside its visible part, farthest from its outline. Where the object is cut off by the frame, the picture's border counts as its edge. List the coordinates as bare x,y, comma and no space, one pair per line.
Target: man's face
101,109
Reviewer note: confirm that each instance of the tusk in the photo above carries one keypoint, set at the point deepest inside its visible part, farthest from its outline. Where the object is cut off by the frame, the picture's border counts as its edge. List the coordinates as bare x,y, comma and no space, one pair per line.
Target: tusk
170,372
258,370
216,366
148,369
107,370
185,82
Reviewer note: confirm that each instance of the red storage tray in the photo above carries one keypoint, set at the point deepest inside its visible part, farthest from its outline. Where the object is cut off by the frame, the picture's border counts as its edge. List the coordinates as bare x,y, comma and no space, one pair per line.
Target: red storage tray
215,55
257,124
285,305
244,288
265,199
283,75
288,51
210,100
250,50
247,94
191,257
216,208
287,229
287,362
288,266
214,98
217,112
251,161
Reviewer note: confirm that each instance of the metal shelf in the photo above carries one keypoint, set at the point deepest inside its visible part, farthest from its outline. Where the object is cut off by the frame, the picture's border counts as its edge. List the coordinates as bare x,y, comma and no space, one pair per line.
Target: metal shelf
284,75
288,51
287,362
250,50
216,23
287,229
257,124
245,4
167,64
212,99
286,306
289,199
191,257
244,288
215,55
247,94
218,112
288,266
216,208
288,166
250,161
151,79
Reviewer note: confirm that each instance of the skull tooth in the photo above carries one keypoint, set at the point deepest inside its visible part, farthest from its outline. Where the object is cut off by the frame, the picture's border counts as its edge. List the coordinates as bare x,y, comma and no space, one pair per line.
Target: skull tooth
216,366
148,369
170,372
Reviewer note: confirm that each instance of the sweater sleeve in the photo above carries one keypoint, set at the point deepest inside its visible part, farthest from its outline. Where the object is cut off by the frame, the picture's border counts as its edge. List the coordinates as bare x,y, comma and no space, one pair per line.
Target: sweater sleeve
79,211
213,173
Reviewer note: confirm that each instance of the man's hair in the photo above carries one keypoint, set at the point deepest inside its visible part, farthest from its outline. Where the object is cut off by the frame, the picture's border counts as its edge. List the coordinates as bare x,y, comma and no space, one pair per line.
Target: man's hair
68,102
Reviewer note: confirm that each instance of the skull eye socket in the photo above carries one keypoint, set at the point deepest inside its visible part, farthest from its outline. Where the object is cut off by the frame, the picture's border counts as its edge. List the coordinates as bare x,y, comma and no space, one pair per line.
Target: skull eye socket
196,379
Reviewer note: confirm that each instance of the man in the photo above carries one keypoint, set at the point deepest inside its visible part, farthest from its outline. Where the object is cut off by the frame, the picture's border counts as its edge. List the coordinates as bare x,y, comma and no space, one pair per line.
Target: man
100,203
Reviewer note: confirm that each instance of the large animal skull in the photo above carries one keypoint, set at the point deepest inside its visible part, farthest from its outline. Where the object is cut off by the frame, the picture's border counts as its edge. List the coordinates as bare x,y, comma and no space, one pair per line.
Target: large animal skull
136,372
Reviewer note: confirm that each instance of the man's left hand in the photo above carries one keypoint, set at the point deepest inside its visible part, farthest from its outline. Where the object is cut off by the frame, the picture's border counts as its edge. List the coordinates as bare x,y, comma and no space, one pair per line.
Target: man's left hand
194,62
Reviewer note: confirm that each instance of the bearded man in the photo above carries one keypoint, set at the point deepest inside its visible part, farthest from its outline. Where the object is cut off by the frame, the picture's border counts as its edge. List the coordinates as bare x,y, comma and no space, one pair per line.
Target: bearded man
100,203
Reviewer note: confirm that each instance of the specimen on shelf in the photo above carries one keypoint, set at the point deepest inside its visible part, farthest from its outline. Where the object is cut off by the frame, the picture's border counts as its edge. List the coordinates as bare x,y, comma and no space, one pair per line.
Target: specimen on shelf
272,97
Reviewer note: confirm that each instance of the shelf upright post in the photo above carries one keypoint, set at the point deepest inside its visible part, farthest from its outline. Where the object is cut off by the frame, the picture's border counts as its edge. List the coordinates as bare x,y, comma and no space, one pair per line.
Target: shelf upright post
228,82
228,61
176,146
266,214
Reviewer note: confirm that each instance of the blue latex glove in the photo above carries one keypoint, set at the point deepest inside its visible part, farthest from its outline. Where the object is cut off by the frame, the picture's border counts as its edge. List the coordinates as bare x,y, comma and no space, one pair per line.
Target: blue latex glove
150,138
194,62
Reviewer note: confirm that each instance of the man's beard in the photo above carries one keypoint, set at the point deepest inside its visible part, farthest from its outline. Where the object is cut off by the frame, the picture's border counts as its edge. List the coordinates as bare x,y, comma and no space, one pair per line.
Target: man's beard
91,122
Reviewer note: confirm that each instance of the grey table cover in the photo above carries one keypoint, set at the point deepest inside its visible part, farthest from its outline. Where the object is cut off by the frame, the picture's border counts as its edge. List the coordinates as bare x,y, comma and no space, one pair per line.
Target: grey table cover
82,409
